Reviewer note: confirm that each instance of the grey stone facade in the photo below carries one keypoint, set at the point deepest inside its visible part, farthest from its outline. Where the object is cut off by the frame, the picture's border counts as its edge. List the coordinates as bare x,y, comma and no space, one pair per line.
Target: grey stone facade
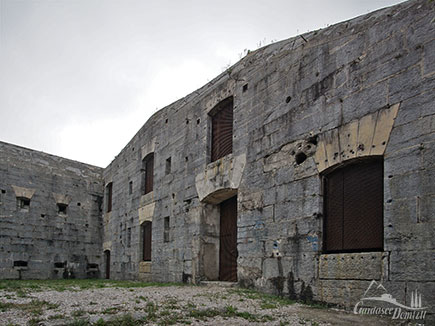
302,107
57,233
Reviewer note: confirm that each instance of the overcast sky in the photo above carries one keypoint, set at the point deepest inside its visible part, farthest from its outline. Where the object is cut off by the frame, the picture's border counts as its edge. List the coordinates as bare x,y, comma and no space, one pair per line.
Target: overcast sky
78,78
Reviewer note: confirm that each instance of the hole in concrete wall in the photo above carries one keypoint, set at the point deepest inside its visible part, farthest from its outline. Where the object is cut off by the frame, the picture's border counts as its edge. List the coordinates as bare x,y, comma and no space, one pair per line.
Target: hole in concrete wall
166,121
20,263
168,166
166,229
187,121
198,121
43,215
313,140
3,191
92,266
23,203
245,87
173,196
130,187
288,99
79,204
60,265
300,157
186,158
61,208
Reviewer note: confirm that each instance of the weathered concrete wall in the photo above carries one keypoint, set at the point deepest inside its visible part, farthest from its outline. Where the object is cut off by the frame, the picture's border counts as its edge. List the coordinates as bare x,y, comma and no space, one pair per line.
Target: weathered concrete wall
53,244
302,106
371,79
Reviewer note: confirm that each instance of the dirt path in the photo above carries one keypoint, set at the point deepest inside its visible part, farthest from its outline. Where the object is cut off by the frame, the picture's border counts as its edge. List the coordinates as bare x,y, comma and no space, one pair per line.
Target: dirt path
171,305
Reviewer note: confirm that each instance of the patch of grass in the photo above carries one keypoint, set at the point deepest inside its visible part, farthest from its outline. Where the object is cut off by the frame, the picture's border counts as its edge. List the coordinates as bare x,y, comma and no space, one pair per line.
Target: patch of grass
267,300
110,311
34,322
34,307
21,286
79,322
54,317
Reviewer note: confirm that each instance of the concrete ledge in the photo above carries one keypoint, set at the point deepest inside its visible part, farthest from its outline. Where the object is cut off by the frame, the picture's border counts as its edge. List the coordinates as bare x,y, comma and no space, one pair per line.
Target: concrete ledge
220,179
351,266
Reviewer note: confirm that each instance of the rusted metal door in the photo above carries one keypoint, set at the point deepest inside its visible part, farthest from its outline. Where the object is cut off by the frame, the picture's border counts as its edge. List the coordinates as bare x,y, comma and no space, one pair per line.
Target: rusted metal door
147,241
222,129
228,241
107,259
354,207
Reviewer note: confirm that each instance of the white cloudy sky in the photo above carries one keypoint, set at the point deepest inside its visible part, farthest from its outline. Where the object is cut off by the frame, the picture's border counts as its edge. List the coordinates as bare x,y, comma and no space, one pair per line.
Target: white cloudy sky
78,78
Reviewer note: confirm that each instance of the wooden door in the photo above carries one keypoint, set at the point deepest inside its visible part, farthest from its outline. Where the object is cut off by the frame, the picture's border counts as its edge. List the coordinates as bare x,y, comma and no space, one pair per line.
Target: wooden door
107,259
228,241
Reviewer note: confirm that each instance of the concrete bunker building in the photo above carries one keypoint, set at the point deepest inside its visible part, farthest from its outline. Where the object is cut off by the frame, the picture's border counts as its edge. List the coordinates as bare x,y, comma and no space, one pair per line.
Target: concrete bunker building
305,169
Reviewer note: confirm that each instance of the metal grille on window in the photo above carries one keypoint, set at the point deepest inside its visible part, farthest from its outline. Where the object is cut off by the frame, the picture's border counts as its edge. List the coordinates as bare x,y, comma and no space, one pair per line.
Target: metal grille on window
222,129
146,240
354,207
148,166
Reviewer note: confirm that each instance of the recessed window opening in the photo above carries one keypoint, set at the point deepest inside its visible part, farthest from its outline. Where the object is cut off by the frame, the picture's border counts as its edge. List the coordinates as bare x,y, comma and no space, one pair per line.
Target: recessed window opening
59,265
61,208
129,237
130,187
166,229
353,207
109,189
168,166
20,263
23,203
148,173
222,129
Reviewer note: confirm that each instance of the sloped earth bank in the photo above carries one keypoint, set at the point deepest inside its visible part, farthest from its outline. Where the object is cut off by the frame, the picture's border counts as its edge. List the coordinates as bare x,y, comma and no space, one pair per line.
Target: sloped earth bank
120,304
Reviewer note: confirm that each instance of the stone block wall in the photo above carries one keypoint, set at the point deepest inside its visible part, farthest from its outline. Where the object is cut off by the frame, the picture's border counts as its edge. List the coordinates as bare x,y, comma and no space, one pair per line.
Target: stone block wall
361,88
302,107
50,219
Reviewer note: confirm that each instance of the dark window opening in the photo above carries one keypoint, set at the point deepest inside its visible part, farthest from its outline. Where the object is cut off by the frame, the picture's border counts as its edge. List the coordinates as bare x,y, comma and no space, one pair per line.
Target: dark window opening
3,191
61,208
109,189
20,263
245,88
148,173
222,129
130,187
60,265
353,206
129,237
166,229
146,228
168,166
23,203
92,266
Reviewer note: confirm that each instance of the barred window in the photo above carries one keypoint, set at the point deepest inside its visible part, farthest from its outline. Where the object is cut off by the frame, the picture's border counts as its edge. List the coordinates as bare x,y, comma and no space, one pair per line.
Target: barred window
353,207
222,129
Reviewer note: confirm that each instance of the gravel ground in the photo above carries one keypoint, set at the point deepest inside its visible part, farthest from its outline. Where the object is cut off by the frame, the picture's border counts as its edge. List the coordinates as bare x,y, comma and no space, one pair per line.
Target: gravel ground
170,305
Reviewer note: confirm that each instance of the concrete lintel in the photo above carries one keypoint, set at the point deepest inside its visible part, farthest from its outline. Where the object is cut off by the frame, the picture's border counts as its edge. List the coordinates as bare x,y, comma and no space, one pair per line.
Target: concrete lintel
220,179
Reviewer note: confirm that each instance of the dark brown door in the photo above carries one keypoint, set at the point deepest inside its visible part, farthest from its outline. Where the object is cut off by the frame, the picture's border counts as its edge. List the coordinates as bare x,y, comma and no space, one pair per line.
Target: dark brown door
147,240
228,241
107,259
